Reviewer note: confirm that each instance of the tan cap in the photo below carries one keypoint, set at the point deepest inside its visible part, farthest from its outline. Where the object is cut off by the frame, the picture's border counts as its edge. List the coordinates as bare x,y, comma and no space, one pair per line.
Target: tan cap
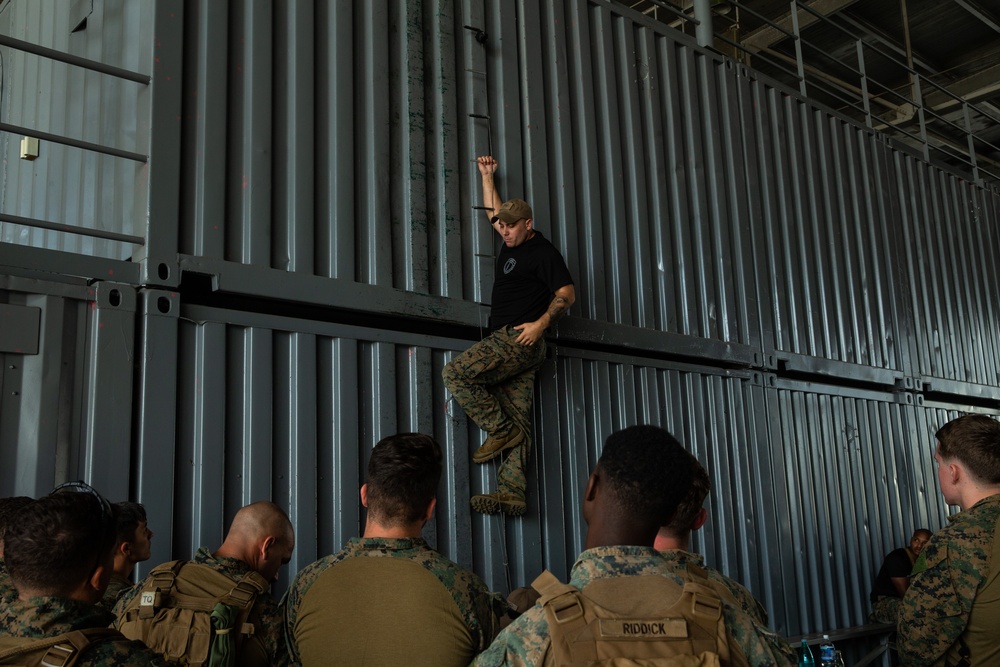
512,211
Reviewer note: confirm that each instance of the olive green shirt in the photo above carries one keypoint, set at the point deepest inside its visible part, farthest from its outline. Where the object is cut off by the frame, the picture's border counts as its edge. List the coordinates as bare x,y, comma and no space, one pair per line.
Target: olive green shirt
386,601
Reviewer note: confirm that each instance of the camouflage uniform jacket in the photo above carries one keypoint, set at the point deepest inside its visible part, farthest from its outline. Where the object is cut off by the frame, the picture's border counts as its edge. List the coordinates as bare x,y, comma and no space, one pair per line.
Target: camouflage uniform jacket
116,588
264,615
43,617
934,613
525,642
480,607
7,591
748,603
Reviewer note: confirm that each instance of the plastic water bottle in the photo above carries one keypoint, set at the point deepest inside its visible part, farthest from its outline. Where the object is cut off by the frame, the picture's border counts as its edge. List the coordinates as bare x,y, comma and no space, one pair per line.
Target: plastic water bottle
806,655
827,653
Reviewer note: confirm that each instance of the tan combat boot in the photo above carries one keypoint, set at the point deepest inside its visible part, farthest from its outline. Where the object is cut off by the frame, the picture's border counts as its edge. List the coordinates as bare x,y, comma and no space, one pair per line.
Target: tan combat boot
491,503
493,446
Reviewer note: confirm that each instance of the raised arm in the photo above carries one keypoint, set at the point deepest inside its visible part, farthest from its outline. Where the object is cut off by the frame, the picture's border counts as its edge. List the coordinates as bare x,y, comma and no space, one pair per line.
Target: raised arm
491,198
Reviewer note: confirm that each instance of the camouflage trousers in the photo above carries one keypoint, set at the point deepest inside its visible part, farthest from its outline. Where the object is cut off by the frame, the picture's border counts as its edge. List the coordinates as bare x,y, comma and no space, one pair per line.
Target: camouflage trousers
886,609
494,382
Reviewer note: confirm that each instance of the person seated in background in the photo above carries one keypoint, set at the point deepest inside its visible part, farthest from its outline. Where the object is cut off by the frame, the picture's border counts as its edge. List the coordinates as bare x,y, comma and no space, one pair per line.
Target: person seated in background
60,554
259,542
625,600
674,539
388,598
894,577
9,507
132,546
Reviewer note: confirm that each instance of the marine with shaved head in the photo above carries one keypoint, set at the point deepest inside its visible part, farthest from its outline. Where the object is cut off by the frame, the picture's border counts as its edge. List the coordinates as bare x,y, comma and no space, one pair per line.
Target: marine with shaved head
260,540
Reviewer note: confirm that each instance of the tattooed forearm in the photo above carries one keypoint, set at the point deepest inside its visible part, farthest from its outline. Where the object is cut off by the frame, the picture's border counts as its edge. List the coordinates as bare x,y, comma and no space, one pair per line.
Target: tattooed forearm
558,308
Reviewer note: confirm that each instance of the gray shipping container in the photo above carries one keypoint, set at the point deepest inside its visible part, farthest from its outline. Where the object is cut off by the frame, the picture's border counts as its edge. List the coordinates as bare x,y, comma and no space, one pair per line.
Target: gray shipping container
295,251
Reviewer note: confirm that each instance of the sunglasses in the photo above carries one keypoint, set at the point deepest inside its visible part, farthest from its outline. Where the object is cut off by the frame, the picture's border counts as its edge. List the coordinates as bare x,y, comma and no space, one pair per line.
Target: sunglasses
108,523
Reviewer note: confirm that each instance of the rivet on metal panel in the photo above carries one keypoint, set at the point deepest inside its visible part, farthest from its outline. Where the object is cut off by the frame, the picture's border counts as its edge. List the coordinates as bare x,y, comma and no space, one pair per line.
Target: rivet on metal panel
15,393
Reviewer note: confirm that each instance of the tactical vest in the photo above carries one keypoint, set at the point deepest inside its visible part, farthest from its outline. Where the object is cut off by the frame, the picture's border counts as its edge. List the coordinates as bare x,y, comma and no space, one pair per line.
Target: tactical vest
650,621
193,615
60,651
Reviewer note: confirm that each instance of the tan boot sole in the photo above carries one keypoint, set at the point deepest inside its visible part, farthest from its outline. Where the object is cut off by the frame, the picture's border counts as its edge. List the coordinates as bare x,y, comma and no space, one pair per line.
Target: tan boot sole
488,503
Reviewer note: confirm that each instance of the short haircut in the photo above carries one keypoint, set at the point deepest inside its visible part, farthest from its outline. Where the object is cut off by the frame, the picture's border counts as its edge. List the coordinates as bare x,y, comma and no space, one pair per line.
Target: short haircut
130,515
9,509
403,475
975,441
57,542
920,531
262,519
648,470
698,487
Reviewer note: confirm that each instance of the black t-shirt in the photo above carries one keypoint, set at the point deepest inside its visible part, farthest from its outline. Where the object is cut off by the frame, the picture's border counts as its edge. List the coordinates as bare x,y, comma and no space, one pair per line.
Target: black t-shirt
896,564
526,278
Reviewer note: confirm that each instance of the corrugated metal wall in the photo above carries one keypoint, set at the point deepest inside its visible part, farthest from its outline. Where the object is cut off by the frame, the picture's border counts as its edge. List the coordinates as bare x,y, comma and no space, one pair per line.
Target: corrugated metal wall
66,409
785,291
66,184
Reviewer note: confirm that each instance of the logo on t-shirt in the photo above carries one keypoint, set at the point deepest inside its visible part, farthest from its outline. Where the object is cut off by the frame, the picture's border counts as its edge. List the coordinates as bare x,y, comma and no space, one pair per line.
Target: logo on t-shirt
509,266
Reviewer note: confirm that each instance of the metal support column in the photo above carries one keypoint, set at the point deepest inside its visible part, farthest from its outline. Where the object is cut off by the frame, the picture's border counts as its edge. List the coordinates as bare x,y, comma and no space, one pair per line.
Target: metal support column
157,425
703,30
157,200
107,419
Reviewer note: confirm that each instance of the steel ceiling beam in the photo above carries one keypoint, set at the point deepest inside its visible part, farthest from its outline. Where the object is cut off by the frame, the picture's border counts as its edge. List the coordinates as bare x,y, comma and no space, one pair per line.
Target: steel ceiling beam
983,15
971,88
768,35
878,34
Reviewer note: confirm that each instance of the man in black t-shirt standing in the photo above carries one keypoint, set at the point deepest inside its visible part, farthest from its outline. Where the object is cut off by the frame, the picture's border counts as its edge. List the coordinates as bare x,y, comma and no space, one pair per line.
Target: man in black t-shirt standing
494,380
894,577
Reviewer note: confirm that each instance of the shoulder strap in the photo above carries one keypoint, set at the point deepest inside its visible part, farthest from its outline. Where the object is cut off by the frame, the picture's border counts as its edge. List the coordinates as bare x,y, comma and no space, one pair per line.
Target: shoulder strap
246,590
160,582
62,650
699,575
706,598
548,585
565,613
243,596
